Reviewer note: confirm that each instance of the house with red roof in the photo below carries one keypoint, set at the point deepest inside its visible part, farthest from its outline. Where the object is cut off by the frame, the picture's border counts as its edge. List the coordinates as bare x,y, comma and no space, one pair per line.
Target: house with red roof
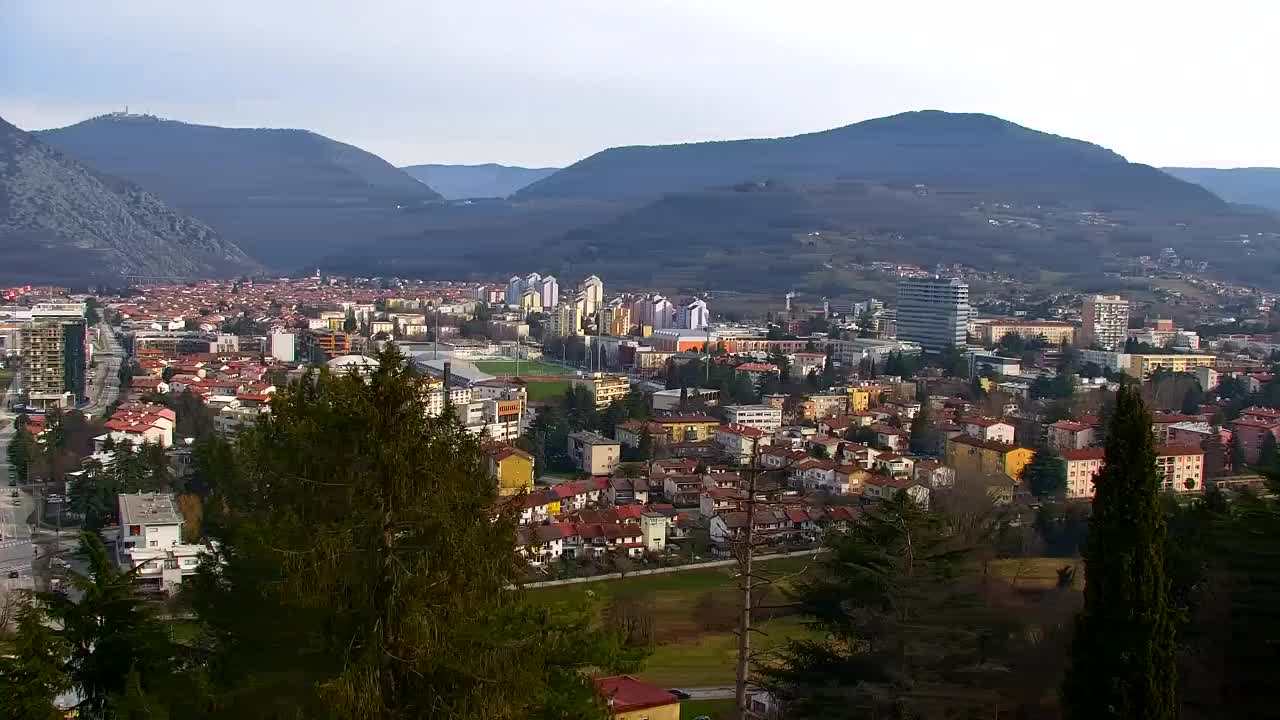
1252,427
632,699
1070,435
741,442
1181,469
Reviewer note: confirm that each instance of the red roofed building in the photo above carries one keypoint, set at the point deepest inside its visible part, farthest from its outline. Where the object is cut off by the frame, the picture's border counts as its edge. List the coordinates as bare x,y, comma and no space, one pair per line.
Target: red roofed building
632,699
1252,427
1181,469
740,442
1070,435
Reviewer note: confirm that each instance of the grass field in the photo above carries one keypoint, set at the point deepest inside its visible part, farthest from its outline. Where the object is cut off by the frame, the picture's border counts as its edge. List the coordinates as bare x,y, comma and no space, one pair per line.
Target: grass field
686,653
542,390
527,367
1036,573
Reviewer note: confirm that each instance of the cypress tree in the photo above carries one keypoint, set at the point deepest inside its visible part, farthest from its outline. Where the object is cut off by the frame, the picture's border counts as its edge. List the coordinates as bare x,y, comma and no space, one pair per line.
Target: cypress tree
1122,663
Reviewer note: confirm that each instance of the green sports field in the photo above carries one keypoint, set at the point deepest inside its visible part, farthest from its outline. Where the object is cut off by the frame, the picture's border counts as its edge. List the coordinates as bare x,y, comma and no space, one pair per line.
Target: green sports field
504,368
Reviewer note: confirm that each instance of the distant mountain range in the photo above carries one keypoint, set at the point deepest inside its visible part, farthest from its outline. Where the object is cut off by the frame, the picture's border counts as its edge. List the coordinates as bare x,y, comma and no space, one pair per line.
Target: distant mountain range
61,221
457,182
928,147
285,196
922,187
1249,186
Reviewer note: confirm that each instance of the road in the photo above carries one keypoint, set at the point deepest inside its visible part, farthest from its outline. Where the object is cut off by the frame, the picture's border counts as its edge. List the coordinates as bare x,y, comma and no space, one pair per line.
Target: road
17,536
725,692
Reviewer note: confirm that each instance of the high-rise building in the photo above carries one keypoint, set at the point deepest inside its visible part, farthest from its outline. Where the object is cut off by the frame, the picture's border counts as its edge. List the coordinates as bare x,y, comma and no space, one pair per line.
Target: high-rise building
55,344
692,315
283,346
1104,321
933,312
565,319
515,288
550,292
593,289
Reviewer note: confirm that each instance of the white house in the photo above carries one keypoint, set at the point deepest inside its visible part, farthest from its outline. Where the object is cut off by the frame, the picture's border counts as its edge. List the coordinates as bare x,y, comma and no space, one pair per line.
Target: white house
150,540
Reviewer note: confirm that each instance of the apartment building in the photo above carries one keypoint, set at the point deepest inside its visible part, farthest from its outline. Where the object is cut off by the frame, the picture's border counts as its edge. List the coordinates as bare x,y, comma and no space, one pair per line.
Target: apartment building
594,454
761,417
1104,321
1054,332
55,344
971,456
150,542
1181,469
605,388
933,312
324,345
1144,366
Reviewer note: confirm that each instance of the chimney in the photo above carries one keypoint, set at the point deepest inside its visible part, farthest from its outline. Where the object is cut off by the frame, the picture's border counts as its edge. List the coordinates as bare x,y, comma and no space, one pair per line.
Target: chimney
448,370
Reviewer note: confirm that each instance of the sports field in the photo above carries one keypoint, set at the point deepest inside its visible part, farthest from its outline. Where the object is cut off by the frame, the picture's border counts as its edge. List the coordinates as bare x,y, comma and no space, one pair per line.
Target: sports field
506,368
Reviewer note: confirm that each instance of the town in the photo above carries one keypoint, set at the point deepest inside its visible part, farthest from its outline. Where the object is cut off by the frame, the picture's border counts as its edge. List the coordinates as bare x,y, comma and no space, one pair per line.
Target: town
628,431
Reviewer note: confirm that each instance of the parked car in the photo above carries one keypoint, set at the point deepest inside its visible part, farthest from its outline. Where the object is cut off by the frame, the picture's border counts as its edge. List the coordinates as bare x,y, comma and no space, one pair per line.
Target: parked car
680,694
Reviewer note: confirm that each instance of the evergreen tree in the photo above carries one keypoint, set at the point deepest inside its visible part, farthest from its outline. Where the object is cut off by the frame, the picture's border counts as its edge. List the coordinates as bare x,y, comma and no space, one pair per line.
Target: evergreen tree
1046,475
1236,452
102,636
1269,455
1122,662
378,571
921,442
895,612
34,673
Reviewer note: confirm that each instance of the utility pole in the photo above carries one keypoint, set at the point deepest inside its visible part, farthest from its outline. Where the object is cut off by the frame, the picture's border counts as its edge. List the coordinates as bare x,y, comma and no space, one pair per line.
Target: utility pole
746,554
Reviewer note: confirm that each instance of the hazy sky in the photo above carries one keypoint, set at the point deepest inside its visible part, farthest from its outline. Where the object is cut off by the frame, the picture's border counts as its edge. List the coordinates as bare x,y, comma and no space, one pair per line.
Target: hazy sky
546,82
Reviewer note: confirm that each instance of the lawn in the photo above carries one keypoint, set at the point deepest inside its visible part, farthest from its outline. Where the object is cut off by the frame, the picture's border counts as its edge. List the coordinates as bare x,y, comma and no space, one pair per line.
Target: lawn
527,367
714,709
686,653
543,390
708,660
1036,573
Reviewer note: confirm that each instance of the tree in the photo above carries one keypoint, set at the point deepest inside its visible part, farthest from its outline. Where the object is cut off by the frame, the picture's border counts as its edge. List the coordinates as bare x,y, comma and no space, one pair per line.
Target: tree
35,673
1046,475
1122,659
379,570
895,608
103,636
1269,455
921,441
1236,452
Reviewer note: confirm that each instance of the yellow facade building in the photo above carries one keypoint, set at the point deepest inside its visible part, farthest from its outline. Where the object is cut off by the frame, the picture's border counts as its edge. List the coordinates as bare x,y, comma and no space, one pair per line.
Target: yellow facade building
1144,366
971,456
512,469
859,399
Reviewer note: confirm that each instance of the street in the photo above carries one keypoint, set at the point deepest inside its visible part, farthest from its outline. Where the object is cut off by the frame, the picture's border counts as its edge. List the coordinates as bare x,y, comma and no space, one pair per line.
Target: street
23,548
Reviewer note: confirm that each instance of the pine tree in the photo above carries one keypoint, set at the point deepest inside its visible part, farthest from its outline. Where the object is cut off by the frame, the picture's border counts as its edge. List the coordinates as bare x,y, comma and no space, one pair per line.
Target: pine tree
1046,475
34,672
1122,662
362,547
895,612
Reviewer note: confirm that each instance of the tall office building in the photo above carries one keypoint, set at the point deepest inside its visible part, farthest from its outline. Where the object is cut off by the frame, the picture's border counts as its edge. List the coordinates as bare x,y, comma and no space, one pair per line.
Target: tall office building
933,312
692,314
55,345
1104,321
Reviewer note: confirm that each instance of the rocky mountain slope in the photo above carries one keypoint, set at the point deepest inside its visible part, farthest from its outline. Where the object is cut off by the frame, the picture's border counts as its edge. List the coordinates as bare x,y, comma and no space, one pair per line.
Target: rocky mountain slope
61,221
285,196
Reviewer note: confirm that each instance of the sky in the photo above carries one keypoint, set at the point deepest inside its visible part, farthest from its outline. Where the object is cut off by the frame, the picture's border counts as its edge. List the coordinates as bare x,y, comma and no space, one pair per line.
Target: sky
548,82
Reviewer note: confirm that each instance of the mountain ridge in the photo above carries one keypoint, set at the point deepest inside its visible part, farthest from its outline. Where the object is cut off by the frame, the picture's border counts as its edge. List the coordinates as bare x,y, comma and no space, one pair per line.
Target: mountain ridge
284,195
1245,185
61,220
926,146
459,182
